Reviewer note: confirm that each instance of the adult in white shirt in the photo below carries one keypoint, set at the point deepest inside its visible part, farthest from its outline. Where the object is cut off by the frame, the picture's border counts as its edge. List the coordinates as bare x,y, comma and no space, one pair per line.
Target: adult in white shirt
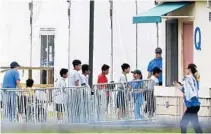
60,94
75,76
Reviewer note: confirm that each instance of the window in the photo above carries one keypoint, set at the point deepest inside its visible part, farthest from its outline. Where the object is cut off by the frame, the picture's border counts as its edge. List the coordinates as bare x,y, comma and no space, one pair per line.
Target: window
47,50
171,52
47,54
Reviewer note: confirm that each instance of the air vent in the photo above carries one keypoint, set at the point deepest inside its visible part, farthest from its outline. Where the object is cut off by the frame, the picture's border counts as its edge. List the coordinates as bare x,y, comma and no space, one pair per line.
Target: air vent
210,16
47,31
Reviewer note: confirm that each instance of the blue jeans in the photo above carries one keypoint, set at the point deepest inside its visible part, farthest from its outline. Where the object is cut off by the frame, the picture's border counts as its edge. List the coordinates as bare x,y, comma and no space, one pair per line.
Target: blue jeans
138,101
191,115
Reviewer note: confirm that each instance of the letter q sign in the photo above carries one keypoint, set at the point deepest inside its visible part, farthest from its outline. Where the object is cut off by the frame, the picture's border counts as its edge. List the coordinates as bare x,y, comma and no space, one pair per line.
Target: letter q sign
197,38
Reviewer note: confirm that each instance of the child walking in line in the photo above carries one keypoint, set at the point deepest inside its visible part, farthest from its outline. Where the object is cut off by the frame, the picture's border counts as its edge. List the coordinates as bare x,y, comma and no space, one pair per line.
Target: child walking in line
102,78
149,95
121,102
155,75
60,94
137,94
30,106
25,101
41,97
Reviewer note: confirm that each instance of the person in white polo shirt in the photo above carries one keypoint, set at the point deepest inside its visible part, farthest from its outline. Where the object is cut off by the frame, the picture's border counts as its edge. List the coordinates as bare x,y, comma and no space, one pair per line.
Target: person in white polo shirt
74,93
60,94
75,76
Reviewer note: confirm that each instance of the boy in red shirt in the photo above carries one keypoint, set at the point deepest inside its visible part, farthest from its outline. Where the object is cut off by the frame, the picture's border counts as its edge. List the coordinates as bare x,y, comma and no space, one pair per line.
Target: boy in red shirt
103,79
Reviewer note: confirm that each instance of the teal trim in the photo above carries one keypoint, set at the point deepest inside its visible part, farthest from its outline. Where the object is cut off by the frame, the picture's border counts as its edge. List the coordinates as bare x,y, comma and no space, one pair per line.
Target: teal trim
154,15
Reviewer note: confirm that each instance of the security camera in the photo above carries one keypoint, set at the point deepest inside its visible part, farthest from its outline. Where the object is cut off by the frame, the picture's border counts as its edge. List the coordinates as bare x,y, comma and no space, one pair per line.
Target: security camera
68,1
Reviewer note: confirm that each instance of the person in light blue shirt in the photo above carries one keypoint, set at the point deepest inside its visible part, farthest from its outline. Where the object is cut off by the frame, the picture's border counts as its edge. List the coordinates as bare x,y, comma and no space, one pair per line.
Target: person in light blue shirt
190,88
136,85
11,81
156,62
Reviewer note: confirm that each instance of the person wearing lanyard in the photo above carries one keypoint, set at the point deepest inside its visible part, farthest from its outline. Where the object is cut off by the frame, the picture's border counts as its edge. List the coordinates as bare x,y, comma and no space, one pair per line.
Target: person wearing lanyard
190,88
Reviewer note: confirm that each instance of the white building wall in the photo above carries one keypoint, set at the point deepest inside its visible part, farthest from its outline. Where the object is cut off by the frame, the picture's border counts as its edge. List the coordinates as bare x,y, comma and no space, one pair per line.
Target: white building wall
201,58
201,20
15,34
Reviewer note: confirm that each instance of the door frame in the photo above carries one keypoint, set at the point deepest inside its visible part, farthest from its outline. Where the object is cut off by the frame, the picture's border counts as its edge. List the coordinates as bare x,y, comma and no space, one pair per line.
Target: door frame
182,108
171,69
182,46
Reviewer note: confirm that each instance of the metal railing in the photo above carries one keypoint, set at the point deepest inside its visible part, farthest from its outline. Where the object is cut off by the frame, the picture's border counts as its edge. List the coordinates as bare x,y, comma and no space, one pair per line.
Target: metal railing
104,102
124,101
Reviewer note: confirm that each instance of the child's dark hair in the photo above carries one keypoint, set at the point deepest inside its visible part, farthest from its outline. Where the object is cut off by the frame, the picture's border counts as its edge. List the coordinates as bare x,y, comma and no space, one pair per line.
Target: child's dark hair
105,67
125,66
63,71
156,70
85,67
76,63
29,83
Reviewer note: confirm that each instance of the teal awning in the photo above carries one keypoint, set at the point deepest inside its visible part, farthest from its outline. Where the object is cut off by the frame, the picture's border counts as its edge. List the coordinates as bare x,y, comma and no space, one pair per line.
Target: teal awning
154,15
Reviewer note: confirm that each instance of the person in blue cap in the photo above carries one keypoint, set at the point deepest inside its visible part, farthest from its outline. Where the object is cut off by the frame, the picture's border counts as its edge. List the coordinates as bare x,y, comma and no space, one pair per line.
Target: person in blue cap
12,77
156,62
136,84
12,81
